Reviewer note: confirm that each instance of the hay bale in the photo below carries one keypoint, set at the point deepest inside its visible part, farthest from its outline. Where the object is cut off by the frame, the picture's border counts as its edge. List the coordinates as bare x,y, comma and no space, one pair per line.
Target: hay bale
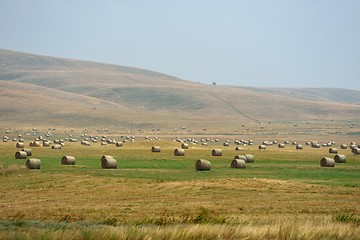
226,144
202,165
355,150
19,145
333,150
58,147
118,144
21,155
238,148
28,151
340,158
281,145
249,158
216,152
327,162
185,146
68,160
179,152
46,144
262,147
35,144
238,163
155,149
108,162
343,146
299,147
240,157
33,163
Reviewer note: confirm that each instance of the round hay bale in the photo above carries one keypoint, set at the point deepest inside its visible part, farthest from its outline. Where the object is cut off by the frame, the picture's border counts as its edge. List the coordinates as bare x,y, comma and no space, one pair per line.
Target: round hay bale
118,144
56,147
28,151
185,146
343,146
68,160
240,157
238,163
46,144
238,148
262,147
155,149
340,158
103,143
33,163
216,152
249,158
281,145
202,165
19,145
299,147
333,150
179,152
355,150
226,144
108,162
20,155
327,162
204,143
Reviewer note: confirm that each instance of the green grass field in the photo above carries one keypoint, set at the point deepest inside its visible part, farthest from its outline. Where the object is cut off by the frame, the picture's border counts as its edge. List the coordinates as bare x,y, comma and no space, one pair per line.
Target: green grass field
284,194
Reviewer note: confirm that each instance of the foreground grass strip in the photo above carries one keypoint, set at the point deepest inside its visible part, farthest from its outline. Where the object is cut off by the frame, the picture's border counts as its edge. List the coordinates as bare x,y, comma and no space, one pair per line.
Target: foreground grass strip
295,229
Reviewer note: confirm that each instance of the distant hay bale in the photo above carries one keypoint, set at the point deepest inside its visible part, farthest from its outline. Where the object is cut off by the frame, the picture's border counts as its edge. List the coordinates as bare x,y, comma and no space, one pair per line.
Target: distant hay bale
118,144
108,162
56,147
238,148
28,151
333,150
355,150
155,149
33,163
238,163
103,143
185,146
216,152
352,146
68,160
327,162
20,155
281,145
343,146
19,145
340,158
262,147
179,152
35,144
46,144
226,144
248,158
299,147
202,165
204,143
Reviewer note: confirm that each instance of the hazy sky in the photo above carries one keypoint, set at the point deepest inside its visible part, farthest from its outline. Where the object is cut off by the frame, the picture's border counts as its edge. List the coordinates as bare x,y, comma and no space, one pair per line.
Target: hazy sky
276,43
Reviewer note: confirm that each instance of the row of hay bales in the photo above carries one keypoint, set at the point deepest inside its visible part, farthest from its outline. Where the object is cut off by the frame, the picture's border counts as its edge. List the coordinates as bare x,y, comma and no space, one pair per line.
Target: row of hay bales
239,161
330,162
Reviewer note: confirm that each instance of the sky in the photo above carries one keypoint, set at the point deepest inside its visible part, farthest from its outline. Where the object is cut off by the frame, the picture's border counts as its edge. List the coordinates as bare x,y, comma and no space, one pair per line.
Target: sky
259,43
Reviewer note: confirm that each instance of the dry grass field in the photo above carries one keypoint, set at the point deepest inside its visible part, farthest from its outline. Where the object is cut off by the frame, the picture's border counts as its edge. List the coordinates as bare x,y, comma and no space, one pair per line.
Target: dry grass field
284,194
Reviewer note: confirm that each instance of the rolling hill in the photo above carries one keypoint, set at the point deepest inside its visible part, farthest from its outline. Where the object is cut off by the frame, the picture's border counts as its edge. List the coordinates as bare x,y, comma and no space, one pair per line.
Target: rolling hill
48,91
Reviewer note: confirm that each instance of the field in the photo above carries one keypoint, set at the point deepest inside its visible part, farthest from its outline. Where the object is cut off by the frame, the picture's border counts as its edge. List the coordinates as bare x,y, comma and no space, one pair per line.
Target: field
284,194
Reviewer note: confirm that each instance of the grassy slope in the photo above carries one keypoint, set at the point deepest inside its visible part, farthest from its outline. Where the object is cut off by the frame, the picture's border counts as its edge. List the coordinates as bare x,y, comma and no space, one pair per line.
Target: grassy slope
149,98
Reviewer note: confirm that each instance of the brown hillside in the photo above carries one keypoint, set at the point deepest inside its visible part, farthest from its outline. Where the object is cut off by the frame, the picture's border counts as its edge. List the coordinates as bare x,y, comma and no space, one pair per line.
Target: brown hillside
53,91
